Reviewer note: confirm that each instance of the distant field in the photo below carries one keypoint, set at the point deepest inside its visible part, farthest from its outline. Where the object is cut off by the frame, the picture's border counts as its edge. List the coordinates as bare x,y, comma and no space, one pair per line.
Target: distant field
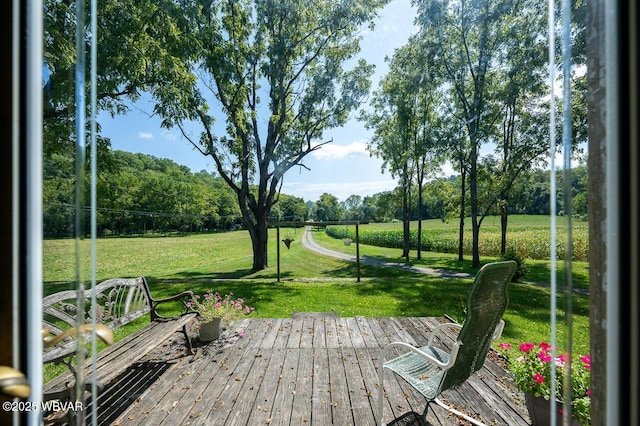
528,235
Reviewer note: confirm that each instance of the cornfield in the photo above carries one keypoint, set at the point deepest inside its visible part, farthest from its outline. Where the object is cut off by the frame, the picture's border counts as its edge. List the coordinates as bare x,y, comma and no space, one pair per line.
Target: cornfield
530,241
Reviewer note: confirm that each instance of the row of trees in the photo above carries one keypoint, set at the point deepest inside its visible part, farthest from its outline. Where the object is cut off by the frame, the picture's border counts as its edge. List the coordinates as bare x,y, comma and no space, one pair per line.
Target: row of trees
474,75
136,194
531,195
139,193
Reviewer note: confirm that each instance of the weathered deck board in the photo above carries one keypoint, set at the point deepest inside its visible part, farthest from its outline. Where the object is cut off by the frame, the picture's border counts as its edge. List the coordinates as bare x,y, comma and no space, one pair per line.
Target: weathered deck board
321,400
303,398
311,370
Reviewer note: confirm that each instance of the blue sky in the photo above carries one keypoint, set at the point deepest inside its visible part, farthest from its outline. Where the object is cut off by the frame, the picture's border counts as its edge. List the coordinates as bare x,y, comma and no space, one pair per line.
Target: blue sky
341,168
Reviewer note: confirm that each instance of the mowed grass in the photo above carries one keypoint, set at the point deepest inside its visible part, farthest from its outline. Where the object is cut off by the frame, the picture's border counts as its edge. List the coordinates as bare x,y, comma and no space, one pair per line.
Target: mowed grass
308,281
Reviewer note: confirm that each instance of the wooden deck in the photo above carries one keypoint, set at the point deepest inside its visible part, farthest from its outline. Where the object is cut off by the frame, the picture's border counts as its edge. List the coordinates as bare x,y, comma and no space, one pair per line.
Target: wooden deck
306,370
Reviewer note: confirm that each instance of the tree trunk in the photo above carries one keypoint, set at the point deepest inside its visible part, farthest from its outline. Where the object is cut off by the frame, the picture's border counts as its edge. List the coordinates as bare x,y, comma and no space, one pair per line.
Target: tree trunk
405,226
504,216
259,241
475,226
407,240
419,254
463,190
256,221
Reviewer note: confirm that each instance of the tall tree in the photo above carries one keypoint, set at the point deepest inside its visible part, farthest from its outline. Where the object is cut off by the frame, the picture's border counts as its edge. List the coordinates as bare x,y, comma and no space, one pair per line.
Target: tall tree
405,119
525,112
327,208
412,88
393,127
353,207
277,71
428,139
523,144
466,37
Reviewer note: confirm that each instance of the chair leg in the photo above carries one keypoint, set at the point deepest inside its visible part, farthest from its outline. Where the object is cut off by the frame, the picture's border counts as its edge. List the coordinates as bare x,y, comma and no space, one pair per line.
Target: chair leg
458,413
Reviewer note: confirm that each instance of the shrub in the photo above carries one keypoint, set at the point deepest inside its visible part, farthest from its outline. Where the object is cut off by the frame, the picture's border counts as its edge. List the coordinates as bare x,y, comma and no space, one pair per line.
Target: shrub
511,254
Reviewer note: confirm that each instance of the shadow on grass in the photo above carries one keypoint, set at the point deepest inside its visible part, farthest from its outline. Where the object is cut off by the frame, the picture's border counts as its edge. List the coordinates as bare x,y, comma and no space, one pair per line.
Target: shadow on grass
255,292
540,272
56,286
224,275
419,296
428,259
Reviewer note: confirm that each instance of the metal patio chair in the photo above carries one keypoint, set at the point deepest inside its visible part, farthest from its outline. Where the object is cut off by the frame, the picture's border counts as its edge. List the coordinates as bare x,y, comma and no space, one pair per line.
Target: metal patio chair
430,369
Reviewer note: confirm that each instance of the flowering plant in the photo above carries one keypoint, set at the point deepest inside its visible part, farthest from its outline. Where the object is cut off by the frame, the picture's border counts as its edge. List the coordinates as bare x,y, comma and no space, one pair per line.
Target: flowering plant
212,305
530,366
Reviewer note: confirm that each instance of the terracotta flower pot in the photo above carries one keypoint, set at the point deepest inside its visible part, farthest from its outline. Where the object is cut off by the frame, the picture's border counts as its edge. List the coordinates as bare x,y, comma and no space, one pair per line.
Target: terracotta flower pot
210,330
540,411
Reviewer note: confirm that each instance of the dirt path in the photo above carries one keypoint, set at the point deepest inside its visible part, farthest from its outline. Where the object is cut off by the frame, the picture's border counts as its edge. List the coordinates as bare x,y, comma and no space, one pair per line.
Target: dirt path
309,243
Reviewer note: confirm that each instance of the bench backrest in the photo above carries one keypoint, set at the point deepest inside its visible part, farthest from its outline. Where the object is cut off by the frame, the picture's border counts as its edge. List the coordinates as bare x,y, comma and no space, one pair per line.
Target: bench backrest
118,301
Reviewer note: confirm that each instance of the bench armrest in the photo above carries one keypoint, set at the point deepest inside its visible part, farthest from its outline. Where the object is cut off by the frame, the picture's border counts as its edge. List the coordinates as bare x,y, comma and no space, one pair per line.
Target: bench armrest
185,296
187,293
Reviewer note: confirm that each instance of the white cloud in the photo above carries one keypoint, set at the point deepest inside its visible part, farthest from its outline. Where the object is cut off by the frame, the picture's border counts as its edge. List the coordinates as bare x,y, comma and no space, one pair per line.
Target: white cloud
334,151
145,135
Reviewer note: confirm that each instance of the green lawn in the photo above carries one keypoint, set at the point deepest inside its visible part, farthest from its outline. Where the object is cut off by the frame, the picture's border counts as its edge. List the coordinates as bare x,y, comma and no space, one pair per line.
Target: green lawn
310,282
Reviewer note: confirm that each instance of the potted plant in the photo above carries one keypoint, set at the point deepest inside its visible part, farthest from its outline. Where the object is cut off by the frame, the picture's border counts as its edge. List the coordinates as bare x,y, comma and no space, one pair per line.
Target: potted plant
287,242
214,309
530,367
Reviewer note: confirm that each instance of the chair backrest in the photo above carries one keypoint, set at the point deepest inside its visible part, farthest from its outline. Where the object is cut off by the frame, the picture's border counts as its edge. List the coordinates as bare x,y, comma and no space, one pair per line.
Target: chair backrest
486,302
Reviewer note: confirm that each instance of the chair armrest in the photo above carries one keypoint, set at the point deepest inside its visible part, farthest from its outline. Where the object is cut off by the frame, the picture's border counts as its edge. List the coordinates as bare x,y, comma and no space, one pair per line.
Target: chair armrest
498,331
434,333
452,356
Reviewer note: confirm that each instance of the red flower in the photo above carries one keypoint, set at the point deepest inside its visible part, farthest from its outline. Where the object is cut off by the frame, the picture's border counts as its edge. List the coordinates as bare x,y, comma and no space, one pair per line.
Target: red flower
526,347
587,361
545,346
544,357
